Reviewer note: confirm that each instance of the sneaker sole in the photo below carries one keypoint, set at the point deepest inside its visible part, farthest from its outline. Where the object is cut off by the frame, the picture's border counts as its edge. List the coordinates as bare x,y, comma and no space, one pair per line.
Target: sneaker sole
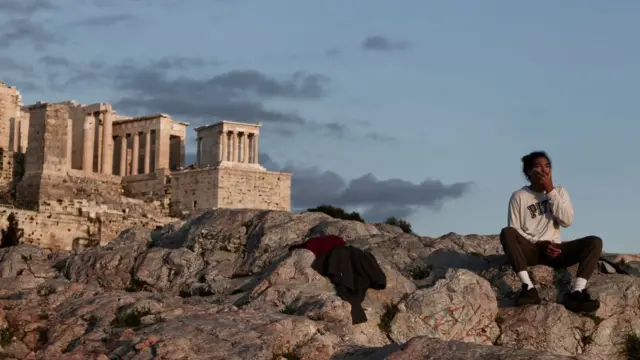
584,310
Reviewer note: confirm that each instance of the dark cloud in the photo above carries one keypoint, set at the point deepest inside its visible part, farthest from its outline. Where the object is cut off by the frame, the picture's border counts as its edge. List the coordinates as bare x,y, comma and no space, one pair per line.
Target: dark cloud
82,74
380,198
241,95
54,61
182,63
379,137
22,84
9,65
246,111
237,94
381,43
104,20
25,31
24,7
333,52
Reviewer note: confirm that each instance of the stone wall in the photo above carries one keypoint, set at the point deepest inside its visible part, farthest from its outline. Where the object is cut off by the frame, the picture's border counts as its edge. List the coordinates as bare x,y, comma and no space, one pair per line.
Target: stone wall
49,139
38,190
53,231
194,189
229,188
11,172
249,189
151,186
60,231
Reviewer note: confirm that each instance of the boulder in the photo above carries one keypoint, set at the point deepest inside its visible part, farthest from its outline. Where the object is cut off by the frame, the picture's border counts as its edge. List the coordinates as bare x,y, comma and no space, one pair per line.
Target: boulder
223,285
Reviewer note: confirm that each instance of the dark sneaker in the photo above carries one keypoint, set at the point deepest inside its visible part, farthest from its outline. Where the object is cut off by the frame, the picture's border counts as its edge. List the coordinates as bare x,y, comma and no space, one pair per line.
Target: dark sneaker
528,296
580,301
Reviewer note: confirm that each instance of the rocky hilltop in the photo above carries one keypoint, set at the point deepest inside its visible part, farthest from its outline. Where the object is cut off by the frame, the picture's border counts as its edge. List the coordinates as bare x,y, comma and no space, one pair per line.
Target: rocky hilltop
223,285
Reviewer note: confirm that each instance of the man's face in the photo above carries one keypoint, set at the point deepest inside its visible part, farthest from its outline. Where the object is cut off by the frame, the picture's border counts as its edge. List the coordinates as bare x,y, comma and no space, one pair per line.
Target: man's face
542,166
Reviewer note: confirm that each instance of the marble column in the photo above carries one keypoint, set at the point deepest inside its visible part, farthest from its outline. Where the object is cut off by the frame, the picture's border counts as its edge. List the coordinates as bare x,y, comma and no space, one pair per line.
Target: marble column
236,152
255,149
98,143
231,148
225,146
135,154
220,147
245,149
88,136
238,147
147,151
69,143
107,142
123,156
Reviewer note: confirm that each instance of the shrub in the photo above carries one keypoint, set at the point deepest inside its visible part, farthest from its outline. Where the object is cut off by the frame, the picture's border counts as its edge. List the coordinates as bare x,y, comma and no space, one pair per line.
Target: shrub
402,224
390,311
12,235
633,346
130,319
337,213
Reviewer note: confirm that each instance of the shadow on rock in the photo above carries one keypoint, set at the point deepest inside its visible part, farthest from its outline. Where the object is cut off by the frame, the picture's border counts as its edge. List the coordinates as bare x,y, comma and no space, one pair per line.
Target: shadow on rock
368,353
495,269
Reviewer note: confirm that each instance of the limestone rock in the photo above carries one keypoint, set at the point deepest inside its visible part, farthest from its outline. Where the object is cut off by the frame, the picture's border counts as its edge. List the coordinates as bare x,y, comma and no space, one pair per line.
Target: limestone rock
223,285
425,348
26,266
460,306
109,266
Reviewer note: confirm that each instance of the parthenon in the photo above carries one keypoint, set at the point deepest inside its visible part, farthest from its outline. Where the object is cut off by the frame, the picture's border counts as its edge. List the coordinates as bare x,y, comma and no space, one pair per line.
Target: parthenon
68,159
106,143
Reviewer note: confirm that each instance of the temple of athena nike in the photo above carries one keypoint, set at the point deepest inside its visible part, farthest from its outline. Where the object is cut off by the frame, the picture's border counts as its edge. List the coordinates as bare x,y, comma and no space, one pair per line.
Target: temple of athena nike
76,175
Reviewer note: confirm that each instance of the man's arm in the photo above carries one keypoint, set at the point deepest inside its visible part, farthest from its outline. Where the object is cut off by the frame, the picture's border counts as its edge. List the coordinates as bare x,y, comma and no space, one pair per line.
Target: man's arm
561,206
513,216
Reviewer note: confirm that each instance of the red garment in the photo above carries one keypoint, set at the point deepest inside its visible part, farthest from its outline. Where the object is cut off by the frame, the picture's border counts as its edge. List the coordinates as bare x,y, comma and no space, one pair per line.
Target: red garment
320,244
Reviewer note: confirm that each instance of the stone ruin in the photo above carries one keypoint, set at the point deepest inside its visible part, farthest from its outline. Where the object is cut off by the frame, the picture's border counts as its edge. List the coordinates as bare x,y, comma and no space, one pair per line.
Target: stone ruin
76,175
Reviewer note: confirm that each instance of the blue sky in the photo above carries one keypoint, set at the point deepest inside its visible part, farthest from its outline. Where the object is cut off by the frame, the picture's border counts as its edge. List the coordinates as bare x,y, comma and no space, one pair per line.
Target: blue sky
450,91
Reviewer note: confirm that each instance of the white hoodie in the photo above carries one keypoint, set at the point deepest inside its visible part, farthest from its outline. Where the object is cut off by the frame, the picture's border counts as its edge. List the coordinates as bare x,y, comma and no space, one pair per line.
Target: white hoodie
538,216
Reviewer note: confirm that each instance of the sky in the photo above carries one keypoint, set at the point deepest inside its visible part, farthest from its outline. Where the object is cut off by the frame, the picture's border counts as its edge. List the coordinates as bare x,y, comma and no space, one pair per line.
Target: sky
415,109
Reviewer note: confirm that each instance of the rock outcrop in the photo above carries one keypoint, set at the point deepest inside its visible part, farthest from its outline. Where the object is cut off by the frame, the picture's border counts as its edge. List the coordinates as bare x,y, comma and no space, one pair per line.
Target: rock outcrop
222,285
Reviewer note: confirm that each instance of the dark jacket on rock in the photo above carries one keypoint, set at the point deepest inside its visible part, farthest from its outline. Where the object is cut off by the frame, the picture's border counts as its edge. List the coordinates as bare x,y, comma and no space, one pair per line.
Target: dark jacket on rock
320,244
351,271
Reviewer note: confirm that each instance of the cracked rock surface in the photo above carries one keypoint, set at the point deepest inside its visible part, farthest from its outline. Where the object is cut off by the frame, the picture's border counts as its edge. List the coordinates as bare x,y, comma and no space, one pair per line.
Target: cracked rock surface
222,285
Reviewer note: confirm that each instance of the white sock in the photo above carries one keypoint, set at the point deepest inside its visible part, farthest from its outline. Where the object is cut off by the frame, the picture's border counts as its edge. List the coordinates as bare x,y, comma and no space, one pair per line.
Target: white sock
524,277
579,284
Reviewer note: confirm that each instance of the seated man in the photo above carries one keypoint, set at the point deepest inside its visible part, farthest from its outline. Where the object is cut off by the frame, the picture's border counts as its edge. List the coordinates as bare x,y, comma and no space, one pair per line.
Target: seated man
532,236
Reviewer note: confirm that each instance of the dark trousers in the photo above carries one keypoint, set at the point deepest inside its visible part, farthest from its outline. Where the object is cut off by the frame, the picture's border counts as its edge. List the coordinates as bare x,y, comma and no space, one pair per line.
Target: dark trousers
523,253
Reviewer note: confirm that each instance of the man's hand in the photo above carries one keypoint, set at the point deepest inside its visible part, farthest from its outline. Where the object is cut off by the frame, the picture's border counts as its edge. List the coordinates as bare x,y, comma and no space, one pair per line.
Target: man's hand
553,251
543,180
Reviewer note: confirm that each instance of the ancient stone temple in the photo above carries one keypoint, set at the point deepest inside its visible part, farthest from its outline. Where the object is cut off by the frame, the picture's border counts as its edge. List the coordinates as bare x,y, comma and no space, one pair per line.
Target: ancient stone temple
84,172
228,173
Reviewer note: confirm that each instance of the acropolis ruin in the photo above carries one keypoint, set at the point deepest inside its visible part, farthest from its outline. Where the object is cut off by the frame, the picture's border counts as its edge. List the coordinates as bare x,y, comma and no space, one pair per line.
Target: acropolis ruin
76,175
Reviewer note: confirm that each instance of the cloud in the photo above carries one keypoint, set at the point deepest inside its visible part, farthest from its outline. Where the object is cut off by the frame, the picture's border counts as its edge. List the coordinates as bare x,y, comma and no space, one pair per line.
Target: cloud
24,7
380,199
182,63
22,84
382,43
9,65
241,95
26,31
379,137
54,61
104,20
333,52
238,94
